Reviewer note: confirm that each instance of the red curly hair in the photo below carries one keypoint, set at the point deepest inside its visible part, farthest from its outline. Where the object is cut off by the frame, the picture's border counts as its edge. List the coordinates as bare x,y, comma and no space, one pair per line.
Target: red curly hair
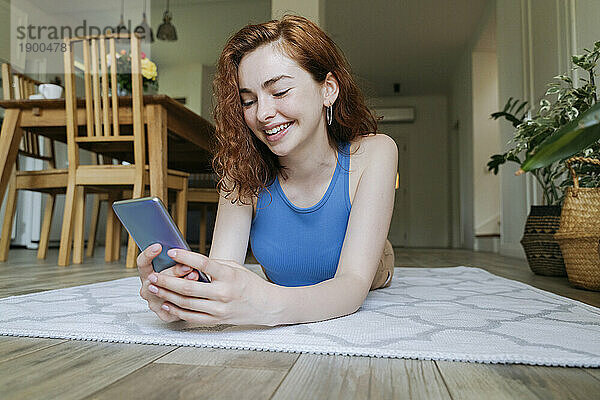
244,163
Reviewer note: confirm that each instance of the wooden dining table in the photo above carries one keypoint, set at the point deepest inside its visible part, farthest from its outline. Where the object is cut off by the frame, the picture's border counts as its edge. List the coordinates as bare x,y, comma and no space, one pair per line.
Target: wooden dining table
178,138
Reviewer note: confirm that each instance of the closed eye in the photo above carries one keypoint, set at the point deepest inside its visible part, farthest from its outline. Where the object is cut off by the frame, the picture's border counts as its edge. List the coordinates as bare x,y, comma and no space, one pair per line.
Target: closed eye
249,103
281,93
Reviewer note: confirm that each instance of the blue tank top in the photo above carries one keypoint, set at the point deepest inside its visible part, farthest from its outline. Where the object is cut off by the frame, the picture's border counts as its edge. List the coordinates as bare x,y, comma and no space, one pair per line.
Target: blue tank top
301,246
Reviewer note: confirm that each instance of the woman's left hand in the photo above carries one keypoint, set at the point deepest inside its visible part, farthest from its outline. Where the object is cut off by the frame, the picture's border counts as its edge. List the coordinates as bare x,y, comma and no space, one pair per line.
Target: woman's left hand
234,296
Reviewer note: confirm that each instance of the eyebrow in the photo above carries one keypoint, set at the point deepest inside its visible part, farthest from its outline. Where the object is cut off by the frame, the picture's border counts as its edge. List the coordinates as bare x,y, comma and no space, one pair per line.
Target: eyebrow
268,83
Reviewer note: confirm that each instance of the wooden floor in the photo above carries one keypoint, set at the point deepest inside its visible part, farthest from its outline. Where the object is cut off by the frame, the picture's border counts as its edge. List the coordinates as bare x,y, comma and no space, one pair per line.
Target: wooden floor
62,369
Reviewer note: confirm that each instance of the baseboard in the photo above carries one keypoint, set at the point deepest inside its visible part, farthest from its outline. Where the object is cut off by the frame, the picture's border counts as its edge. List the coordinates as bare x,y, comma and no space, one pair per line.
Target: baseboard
487,243
512,250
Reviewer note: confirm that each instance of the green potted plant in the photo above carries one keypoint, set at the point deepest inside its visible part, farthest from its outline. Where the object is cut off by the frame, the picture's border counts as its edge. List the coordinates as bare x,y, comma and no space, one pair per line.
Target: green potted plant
567,123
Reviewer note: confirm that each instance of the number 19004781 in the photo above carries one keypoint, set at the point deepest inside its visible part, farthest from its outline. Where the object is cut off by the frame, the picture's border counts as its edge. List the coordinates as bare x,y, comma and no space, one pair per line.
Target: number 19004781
51,47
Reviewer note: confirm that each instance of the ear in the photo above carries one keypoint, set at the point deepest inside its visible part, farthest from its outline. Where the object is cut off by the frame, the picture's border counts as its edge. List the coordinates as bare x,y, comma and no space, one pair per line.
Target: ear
330,89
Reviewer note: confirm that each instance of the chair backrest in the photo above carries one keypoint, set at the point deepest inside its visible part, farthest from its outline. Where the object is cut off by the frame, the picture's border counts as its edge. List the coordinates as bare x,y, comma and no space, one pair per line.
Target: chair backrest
17,86
102,105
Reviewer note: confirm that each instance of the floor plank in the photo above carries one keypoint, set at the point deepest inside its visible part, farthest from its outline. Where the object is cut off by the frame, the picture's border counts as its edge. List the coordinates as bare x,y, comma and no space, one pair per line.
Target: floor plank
171,381
499,381
13,347
594,372
316,376
406,379
230,358
73,369
341,377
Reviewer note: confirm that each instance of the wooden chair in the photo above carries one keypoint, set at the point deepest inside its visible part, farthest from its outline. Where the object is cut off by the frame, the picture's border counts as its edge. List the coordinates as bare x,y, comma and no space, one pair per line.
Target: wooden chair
50,180
102,130
205,196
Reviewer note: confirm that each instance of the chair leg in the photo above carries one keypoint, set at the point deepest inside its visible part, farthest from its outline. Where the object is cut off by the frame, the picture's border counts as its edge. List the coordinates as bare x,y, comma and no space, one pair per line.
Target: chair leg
79,229
174,211
110,226
132,250
93,227
116,252
66,236
181,207
132,253
9,216
46,225
202,244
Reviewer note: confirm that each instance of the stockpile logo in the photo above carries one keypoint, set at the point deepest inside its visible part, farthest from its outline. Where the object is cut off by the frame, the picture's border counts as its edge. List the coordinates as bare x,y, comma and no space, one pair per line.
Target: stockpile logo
31,34
39,29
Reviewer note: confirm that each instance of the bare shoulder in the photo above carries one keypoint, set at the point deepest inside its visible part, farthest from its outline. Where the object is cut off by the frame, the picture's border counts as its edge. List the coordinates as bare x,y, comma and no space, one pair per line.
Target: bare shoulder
378,148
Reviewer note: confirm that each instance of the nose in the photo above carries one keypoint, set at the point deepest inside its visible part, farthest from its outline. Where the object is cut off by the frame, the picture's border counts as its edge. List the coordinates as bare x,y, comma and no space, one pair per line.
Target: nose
265,109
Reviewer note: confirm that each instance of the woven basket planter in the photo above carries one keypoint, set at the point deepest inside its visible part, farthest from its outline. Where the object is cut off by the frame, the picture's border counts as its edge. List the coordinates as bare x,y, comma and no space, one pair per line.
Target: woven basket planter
579,232
541,248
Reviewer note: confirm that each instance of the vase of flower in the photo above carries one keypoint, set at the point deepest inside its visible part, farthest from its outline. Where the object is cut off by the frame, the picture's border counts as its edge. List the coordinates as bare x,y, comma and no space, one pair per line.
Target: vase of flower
149,74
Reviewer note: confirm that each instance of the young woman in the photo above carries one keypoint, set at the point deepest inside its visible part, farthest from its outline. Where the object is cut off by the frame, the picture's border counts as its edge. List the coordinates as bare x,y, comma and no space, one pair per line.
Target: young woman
303,176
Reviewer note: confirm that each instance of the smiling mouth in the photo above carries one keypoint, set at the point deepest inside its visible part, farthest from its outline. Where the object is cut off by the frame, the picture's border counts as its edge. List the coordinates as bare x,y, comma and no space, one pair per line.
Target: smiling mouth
277,129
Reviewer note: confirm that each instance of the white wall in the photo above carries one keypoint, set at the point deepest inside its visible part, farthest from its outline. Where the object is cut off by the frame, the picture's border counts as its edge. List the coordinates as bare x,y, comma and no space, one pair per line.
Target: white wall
4,29
311,9
202,29
183,80
428,185
486,141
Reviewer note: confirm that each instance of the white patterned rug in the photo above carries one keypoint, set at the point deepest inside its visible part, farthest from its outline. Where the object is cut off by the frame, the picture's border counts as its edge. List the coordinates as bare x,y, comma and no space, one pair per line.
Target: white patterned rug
458,313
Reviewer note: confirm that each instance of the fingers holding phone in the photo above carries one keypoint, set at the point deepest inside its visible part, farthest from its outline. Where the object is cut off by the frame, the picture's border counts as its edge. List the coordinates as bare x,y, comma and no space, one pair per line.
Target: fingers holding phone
144,264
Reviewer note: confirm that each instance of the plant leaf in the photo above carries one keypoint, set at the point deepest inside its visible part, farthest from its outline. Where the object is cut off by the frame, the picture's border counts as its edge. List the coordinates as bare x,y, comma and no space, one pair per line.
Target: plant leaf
572,138
520,107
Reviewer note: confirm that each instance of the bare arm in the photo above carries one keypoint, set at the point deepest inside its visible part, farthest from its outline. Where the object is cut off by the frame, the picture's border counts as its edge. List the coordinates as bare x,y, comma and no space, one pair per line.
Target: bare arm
232,230
363,245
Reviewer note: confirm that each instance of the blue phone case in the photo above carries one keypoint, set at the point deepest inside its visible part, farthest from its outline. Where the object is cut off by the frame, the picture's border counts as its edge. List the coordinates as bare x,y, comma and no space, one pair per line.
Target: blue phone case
148,222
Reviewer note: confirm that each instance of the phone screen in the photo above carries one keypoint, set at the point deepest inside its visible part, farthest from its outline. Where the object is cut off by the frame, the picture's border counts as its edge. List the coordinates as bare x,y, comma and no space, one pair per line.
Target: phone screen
148,222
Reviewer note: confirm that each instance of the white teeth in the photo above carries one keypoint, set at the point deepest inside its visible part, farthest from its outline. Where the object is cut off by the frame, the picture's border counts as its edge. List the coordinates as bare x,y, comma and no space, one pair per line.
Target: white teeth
277,129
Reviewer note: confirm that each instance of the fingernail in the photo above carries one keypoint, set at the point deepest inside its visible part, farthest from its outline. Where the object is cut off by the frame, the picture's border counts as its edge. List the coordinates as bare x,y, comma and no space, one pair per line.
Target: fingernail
165,307
172,253
155,248
185,269
152,278
153,289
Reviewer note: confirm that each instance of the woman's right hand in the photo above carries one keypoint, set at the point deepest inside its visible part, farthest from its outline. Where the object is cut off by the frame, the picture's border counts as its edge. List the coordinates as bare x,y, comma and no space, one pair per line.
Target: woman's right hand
144,264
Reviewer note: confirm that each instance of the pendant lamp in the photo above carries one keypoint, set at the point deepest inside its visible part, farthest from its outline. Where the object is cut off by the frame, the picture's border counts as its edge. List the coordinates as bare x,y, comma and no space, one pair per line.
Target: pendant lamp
143,29
166,30
121,28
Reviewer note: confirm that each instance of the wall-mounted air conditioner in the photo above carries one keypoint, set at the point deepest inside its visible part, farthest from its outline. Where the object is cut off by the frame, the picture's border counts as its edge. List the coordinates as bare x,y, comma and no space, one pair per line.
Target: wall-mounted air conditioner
395,114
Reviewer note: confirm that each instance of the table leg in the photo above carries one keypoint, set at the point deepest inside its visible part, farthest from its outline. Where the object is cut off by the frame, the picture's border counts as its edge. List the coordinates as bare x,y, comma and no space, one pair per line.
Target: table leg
157,150
10,137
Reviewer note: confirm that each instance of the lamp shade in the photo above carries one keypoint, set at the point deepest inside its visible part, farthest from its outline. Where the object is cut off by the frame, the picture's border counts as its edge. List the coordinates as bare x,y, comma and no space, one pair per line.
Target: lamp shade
166,30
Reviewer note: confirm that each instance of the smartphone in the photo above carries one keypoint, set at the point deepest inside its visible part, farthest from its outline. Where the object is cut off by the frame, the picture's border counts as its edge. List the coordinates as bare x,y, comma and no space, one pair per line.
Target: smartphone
148,221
